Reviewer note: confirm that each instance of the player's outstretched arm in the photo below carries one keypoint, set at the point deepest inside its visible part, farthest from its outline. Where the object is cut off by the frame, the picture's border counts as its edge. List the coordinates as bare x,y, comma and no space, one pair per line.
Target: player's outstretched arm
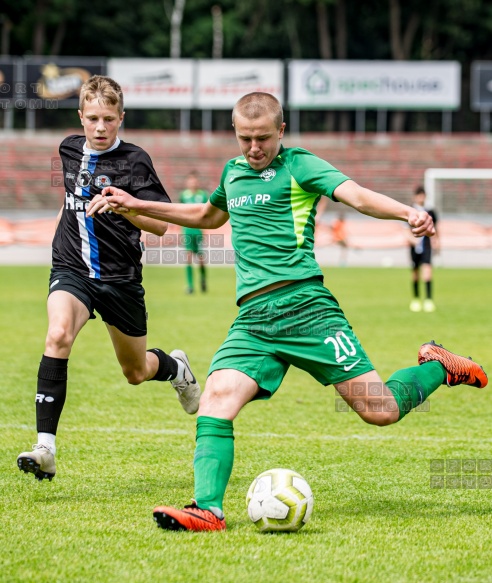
380,206
146,224
143,223
201,216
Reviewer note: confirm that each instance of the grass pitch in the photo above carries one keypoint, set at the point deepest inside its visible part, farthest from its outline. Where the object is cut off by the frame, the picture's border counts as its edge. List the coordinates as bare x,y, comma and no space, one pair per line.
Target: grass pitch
123,450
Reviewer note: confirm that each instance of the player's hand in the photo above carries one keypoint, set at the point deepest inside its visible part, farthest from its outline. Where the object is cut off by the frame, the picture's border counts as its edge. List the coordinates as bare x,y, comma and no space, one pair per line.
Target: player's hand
421,224
120,201
98,204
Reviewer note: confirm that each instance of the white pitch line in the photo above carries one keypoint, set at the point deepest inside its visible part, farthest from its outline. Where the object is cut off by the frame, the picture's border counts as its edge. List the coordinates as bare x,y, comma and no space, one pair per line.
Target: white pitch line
266,435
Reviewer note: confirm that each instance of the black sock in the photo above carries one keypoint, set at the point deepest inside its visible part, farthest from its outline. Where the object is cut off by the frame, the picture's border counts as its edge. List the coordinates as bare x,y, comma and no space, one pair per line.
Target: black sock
203,277
428,289
51,393
415,289
168,367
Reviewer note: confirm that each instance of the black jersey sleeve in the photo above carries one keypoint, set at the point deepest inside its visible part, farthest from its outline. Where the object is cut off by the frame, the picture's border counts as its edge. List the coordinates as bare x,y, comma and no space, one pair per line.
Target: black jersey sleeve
145,183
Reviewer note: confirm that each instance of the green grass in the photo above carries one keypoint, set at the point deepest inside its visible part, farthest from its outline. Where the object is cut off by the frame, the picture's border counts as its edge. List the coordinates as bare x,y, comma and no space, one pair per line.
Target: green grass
123,449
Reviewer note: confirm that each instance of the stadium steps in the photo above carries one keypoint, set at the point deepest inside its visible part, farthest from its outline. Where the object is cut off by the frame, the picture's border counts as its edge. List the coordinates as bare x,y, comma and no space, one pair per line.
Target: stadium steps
390,163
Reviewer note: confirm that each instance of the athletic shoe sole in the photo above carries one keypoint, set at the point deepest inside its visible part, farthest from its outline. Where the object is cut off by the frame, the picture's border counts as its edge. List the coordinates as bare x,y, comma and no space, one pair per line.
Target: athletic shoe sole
28,465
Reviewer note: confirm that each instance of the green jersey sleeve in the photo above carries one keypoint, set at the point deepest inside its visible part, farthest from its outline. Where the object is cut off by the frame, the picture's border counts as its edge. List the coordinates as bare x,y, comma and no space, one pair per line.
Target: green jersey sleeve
219,197
313,174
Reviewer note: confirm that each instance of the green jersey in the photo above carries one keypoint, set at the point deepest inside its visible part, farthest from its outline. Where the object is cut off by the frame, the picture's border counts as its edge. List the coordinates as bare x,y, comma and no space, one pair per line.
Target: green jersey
190,197
272,215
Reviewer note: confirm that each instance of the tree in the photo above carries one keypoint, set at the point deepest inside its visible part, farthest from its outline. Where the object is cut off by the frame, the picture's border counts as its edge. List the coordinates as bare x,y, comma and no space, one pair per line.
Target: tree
176,20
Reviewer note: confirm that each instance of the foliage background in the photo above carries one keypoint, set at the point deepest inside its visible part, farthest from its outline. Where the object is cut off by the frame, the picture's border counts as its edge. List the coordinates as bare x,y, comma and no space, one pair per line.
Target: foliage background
298,29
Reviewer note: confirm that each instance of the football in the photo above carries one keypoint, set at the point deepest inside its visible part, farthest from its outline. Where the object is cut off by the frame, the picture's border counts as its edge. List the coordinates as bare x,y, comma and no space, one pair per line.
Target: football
279,500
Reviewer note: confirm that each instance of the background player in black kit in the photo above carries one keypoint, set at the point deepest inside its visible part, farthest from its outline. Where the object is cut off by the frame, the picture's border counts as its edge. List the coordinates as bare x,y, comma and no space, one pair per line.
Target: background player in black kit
97,266
421,258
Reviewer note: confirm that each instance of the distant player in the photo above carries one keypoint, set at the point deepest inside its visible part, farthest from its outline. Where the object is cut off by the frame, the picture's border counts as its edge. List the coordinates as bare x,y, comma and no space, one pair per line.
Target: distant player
339,235
421,258
286,315
97,267
193,237
338,229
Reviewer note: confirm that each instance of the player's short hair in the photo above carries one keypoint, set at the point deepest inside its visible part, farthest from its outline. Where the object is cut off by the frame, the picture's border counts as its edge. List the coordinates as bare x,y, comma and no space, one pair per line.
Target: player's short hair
103,89
419,190
254,105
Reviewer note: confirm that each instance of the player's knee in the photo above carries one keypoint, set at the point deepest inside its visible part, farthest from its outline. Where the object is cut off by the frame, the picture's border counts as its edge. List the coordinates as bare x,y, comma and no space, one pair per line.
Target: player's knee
379,417
59,339
217,392
217,395
134,376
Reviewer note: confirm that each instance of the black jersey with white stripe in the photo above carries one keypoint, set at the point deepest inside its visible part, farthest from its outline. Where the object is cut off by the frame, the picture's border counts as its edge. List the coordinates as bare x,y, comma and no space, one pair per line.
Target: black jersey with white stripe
105,246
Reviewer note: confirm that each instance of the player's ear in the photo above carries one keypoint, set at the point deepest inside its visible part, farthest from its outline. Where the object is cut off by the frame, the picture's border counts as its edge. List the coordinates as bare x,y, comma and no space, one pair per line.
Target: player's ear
122,116
81,115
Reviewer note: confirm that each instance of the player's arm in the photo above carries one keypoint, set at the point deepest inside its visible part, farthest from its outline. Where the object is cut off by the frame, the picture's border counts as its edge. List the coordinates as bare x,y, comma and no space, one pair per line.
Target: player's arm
143,223
147,224
201,216
380,206
58,218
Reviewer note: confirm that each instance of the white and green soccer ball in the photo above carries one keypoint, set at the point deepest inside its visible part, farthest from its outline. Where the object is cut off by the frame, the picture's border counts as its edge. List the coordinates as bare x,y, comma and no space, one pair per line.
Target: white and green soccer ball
279,500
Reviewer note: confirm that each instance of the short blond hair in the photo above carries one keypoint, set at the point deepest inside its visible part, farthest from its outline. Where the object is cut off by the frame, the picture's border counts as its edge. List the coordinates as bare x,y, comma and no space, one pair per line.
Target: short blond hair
104,89
254,105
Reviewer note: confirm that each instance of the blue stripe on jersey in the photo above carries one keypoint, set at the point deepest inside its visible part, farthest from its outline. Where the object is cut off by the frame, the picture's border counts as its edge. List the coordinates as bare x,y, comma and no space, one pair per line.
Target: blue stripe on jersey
89,223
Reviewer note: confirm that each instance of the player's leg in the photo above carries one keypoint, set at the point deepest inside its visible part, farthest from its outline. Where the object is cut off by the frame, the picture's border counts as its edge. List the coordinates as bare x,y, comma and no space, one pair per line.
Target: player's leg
122,307
226,392
428,305
319,340
244,368
139,364
66,317
381,403
201,263
384,404
415,304
190,288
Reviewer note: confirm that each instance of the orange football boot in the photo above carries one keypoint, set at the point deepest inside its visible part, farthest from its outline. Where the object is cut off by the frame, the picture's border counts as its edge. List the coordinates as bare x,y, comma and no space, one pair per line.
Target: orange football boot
460,370
190,518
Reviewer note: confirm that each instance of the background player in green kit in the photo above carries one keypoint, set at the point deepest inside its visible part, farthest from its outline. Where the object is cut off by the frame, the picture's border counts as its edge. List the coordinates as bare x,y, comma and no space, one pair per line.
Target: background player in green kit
193,237
286,316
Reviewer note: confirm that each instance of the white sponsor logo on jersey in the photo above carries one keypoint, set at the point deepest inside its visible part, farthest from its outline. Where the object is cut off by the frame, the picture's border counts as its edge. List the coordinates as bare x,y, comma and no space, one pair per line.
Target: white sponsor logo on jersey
268,174
247,200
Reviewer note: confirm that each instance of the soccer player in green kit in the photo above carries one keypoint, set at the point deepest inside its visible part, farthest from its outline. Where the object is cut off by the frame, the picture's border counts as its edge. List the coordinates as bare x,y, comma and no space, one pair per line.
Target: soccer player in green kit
286,316
193,237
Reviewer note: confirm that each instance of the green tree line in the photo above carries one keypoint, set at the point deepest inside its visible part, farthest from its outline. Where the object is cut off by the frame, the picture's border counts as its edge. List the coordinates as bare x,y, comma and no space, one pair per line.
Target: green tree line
285,29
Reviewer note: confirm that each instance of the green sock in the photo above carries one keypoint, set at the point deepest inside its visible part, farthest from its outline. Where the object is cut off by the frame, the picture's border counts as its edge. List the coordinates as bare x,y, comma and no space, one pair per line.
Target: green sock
189,276
411,386
214,457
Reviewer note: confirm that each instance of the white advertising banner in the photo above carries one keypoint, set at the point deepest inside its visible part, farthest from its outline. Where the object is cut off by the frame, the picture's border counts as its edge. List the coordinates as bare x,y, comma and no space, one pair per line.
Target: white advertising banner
154,83
222,82
407,85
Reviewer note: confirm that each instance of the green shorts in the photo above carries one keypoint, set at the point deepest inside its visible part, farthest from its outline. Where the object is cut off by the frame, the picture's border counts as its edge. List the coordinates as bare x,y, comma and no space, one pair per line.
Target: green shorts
193,239
300,324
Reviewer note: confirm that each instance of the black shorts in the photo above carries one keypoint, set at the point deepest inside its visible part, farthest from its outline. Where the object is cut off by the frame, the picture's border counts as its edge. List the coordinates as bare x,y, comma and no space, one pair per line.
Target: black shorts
419,258
120,305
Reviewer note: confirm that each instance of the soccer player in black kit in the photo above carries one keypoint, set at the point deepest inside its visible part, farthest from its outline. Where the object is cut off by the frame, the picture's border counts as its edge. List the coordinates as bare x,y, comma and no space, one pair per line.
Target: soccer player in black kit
96,266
